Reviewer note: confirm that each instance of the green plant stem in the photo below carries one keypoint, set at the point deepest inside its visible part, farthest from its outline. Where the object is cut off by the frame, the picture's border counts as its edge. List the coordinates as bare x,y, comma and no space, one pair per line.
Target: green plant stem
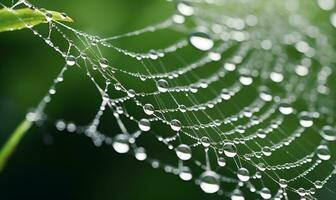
12,142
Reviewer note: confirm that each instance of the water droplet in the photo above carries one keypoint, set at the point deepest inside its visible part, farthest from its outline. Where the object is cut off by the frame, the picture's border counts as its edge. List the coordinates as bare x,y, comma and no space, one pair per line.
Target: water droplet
162,85
140,153
323,152
144,125
209,182
230,149
261,167
153,55
214,56
283,183
183,152
201,41
131,93
318,184
148,109
276,77
285,108
185,8
185,173
221,161
265,95
230,67
52,91
301,70
175,125
326,4
178,19
48,16
103,62
70,60
333,19
64,15
245,79
225,95
243,174
237,195
306,120
117,86
182,108
301,192
265,193
205,141
328,133
261,133
266,151
121,143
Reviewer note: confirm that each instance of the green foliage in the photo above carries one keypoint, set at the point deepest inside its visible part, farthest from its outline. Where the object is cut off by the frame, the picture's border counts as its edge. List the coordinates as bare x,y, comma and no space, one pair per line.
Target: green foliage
18,19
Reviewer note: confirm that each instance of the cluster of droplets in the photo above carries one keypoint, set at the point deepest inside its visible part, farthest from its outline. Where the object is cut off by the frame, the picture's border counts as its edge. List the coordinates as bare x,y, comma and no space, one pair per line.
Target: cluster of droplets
204,38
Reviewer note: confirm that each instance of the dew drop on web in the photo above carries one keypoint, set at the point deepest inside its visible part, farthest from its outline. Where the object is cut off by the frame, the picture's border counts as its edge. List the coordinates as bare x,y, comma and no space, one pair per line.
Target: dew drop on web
183,152
201,41
209,182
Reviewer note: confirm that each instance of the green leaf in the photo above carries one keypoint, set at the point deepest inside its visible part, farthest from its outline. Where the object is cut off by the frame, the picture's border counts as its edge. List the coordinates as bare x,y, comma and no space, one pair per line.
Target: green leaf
11,20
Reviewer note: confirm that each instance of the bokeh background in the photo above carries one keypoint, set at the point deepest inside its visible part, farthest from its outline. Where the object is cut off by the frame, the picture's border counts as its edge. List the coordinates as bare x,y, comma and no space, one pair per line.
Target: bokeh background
50,165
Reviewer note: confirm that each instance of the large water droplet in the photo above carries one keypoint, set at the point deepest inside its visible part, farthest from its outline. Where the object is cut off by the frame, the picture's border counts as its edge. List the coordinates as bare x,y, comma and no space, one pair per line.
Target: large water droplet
144,125
306,120
131,93
230,67
265,95
266,151
323,152
328,133
225,95
205,141
333,19
140,153
243,174
276,77
285,108
301,192
318,184
185,173
261,166
261,133
183,152
201,41
103,62
230,149
237,195
245,79
175,125
121,143
221,161
48,16
182,108
148,109
283,183
162,85
70,60
265,193
209,182
326,4
185,8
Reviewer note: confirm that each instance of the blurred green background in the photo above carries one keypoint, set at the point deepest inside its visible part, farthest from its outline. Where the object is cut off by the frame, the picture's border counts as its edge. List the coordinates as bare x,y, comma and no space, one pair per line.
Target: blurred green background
50,165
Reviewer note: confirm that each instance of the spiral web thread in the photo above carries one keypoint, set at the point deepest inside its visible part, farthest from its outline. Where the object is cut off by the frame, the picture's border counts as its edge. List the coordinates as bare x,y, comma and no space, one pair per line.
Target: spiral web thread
245,117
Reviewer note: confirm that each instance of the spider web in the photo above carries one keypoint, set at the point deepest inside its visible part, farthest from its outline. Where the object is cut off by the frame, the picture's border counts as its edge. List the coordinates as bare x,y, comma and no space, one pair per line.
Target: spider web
249,114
